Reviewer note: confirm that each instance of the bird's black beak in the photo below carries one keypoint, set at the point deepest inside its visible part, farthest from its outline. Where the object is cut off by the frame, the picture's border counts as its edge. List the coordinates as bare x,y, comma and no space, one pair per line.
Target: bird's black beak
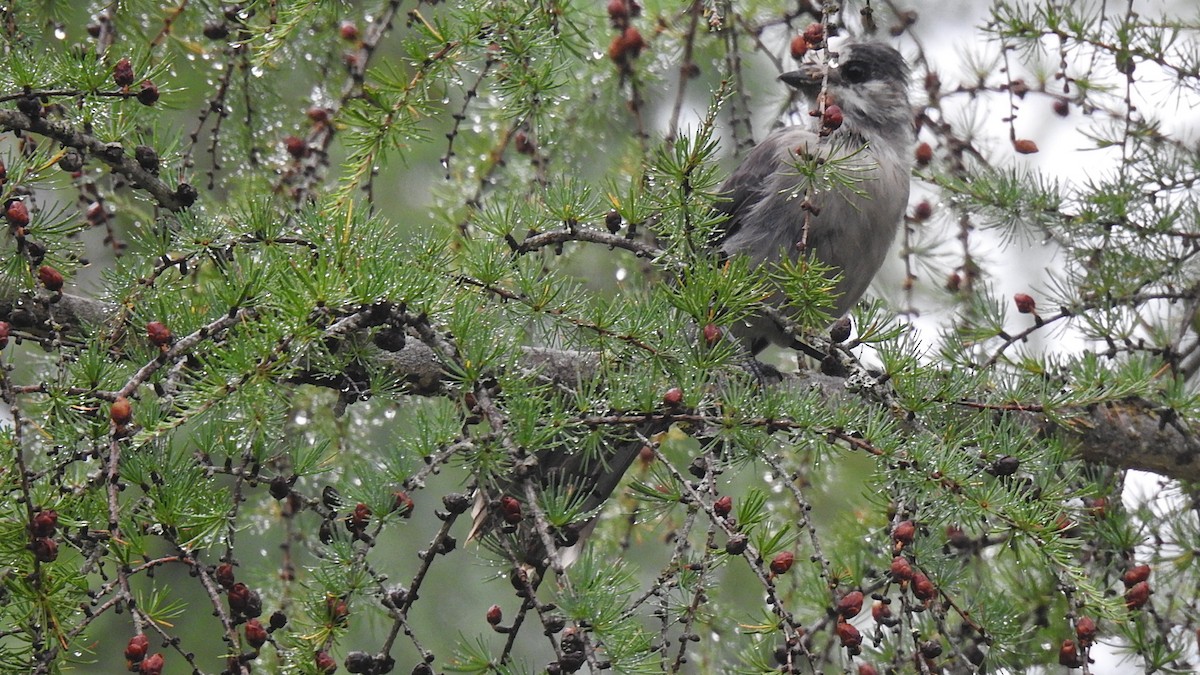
807,79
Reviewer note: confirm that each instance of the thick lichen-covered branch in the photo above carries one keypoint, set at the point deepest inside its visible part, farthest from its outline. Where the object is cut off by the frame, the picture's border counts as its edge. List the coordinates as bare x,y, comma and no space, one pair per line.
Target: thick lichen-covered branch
1128,434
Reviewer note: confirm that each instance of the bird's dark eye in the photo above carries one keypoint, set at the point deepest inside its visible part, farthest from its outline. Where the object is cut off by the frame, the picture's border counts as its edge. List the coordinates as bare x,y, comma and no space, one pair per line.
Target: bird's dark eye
856,72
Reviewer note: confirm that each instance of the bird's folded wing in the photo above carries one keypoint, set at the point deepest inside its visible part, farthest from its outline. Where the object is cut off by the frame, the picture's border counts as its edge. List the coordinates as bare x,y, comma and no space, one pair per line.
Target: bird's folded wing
752,181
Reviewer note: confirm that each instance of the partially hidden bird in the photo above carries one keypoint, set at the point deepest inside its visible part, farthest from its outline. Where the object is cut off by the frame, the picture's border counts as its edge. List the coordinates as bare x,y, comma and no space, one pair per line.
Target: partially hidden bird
775,209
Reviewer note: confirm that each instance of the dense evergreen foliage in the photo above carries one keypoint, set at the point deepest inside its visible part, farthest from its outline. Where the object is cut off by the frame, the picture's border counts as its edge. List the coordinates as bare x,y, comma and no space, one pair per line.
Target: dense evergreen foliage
285,284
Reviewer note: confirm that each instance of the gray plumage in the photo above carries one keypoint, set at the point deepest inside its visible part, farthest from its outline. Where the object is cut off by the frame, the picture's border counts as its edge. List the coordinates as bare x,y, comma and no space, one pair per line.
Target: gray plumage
851,228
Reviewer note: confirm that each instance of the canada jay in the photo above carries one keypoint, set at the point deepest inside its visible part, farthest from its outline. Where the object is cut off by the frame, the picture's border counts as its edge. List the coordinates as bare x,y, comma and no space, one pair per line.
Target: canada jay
847,225
850,225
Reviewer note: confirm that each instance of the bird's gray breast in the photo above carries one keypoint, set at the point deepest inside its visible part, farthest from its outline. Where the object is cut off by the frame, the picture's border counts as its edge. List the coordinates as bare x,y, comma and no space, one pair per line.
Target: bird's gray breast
857,194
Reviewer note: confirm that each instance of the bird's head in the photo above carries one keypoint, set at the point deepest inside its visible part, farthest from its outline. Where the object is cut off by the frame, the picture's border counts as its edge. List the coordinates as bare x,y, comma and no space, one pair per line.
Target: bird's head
869,82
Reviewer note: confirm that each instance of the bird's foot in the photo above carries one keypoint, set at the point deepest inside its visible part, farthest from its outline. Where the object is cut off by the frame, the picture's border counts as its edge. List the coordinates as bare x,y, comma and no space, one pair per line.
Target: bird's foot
765,373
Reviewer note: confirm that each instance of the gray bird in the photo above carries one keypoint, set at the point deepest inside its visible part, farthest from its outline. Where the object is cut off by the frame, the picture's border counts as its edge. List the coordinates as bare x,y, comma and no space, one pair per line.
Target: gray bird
850,228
